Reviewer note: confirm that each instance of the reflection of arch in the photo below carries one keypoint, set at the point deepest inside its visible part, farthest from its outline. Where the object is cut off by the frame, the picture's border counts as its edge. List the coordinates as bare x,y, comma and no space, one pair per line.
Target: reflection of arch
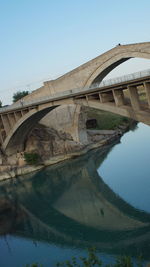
112,62
37,198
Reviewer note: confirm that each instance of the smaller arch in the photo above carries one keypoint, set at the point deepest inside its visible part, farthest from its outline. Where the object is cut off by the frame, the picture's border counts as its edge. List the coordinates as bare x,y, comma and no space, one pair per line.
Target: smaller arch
16,138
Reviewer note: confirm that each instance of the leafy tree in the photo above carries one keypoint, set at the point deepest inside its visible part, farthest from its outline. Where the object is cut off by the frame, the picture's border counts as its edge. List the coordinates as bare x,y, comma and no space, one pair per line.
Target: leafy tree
0,104
19,94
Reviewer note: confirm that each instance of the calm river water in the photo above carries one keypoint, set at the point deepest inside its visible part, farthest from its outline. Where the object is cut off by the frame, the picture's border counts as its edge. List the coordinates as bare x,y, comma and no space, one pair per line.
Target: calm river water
101,199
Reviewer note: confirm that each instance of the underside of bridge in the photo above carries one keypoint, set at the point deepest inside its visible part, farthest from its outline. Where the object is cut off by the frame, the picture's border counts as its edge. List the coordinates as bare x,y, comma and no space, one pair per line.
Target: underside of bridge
16,138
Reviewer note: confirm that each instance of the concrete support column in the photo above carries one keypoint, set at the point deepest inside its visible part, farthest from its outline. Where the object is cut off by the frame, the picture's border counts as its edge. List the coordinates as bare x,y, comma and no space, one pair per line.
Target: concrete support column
106,97
119,97
69,119
134,97
87,100
11,119
1,137
24,111
100,98
3,134
147,89
6,123
17,115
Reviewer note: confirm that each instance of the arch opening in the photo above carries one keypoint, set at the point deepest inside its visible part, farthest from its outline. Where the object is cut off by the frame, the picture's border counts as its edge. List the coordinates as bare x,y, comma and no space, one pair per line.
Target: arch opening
107,70
113,58
15,141
116,72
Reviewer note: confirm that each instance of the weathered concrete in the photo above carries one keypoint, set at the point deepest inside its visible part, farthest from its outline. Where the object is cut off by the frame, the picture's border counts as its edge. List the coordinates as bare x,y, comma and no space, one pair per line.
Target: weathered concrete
134,97
147,89
119,97
70,119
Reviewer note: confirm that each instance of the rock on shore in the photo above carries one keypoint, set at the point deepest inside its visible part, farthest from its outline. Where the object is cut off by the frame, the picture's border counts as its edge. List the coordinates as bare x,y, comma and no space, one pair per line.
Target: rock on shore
52,146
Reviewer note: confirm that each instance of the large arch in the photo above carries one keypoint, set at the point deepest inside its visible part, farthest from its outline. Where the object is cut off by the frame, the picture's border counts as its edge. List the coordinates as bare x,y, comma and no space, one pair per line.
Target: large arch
92,71
85,75
103,69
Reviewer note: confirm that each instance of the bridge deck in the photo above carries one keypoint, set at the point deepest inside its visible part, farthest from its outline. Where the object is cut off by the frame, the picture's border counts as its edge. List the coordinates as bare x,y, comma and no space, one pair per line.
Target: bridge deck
122,83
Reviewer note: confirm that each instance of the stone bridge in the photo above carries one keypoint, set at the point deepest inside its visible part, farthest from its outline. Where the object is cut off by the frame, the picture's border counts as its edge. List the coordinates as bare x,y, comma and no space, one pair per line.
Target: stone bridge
82,86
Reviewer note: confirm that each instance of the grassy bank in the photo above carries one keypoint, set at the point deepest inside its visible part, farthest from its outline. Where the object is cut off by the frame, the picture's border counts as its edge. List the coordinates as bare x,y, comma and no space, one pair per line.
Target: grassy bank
106,120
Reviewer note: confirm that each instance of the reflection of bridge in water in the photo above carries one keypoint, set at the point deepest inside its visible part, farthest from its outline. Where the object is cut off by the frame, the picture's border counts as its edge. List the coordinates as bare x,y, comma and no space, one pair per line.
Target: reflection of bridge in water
81,87
72,206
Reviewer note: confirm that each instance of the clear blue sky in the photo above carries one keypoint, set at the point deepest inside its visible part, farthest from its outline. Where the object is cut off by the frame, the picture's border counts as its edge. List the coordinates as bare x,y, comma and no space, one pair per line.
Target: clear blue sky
42,39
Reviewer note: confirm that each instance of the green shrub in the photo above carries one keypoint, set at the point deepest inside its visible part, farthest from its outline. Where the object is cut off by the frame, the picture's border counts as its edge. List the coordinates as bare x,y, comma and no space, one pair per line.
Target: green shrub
31,158
106,120
92,260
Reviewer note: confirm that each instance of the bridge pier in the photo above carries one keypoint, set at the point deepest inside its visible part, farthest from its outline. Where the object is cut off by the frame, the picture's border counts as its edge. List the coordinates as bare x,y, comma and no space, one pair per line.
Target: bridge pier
147,89
68,119
6,123
134,97
118,97
106,97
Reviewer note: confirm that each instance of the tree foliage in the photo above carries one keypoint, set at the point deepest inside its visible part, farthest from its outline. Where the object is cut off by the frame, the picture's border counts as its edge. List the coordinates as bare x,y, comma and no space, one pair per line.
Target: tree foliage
92,260
31,158
19,94
0,104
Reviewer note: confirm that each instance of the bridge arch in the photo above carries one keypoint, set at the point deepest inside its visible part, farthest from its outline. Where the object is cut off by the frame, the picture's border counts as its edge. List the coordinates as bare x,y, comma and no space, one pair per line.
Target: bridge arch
84,76
111,63
16,138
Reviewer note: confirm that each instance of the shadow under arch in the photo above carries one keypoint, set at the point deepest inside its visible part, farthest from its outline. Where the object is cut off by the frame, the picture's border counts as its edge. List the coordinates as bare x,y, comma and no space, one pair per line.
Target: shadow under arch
17,136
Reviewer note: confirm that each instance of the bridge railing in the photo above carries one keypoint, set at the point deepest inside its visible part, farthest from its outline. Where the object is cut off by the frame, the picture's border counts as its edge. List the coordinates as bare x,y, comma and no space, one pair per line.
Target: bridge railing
124,78
117,80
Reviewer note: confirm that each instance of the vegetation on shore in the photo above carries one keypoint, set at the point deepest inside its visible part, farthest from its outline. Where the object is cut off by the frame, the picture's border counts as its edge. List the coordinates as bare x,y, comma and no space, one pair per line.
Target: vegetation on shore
31,158
106,120
93,260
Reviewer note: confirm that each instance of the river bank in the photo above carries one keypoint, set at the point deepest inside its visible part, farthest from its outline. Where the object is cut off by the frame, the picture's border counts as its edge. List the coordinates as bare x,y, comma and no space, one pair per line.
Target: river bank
51,146
61,209
106,138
